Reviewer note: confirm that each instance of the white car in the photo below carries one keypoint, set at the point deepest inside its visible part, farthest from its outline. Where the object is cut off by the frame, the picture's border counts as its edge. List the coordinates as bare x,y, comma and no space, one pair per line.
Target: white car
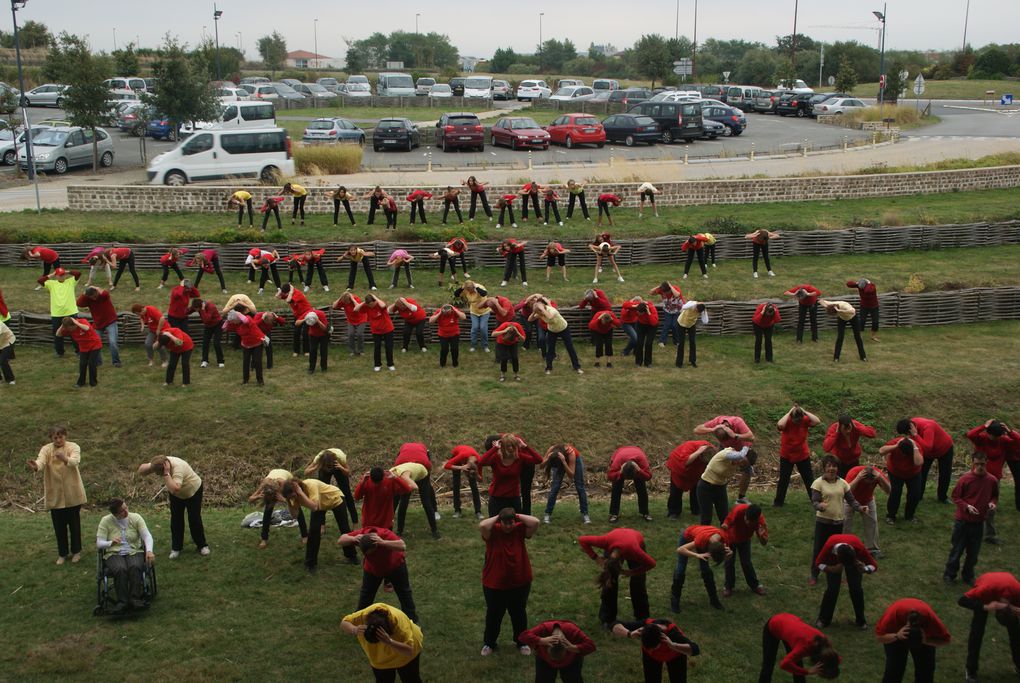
837,105
533,90
423,85
440,90
573,93
358,89
798,86
228,95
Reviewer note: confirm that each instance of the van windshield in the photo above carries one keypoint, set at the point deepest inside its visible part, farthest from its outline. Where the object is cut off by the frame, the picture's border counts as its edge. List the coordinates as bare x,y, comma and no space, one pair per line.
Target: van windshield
478,83
399,82
357,79
602,85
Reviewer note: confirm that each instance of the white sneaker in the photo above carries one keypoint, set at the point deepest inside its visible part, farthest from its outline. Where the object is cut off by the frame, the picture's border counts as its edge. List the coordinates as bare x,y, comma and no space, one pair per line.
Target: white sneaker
392,368
424,349
160,286
503,283
374,289
260,291
525,650
205,364
305,290
545,224
377,368
513,225
754,275
11,383
472,349
403,350
685,276
486,651
705,276
619,279
587,519
174,554
498,226
580,371
487,350
37,288
595,281
392,286
221,365
546,519
561,224
771,274
204,551
661,345
479,515
325,288
524,284
713,265
438,516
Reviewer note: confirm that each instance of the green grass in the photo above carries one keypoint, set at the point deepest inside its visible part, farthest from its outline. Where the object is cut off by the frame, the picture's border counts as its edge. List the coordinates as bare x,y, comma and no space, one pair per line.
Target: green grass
1004,159
946,90
933,209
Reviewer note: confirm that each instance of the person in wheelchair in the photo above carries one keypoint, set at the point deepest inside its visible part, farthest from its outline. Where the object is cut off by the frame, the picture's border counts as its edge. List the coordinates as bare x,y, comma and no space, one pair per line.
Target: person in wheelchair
121,539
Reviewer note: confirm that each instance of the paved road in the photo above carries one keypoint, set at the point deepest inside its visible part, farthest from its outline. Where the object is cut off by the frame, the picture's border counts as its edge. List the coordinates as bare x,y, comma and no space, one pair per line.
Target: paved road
966,119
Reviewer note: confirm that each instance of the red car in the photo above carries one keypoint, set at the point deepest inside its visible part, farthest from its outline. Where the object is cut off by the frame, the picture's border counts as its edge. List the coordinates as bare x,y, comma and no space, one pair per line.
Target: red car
518,132
577,129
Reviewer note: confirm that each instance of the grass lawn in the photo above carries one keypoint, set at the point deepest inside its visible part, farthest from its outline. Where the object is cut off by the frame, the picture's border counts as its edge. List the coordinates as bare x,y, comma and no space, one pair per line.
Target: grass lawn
946,90
731,280
934,209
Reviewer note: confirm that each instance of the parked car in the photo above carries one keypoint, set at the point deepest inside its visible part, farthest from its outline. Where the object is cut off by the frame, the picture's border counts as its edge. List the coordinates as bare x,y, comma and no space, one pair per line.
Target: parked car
263,153
423,85
678,120
133,119
601,96
441,90
838,105
288,93
457,85
731,117
630,96
254,80
10,146
798,104
244,114
459,129
58,149
797,86
333,130
576,129
716,92
228,95
125,83
150,84
818,98
742,96
261,91
329,83
49,95
572,93
160,128
292,82
358,90
478,87
564,82
394,133
765,102
501,90
631,129
315,90
518,132
532,90
394,85
713,129
605,84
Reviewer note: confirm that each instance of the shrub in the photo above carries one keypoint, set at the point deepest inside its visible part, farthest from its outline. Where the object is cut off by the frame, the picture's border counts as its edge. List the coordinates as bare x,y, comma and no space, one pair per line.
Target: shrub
902,115
327,159
915,285
725,225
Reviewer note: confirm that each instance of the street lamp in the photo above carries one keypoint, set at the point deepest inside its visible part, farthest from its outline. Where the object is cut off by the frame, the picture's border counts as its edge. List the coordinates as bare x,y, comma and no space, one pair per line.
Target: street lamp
540,50
881,16
29,157
793,42
216,23
966,19
240,42
416,23
315,38
114,38
694,47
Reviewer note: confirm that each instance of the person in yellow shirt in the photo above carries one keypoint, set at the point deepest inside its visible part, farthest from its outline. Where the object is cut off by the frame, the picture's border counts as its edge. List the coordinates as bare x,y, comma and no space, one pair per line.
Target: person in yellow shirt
474,295
723,466
391,641
691,313
267,493
185,489
299,194
318,497
240,200
330,464
63,490
356,255
845,314
414,472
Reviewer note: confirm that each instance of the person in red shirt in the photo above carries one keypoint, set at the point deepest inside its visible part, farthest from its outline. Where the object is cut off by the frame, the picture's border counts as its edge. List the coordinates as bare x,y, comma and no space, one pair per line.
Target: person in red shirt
512,460
450,198
604,249
382,329
356,320
869,303
151,321
384,561
794,450
628,320
417,453
266,262
1001,444
975,495
764,321
604,201
686,463
98,259
646,326
299,306
377,490
843,554
271,205
595,299
89,345
463,461
512,252
760,247
505,204
104,318
903,462
506,575
800,641
207,261
843,441
550,205
252,341
601,326
629,462
619,546
807,300
703,543
50,258
555,254
863,480
313,258
454,248
742,524
212,323
477,193
560,648
937,445
417,200
122,258
318,337
997,592
662,643
447,318
507,336
529,193
180,346
414,317
909,627
180,301
695,246
267,321
168,262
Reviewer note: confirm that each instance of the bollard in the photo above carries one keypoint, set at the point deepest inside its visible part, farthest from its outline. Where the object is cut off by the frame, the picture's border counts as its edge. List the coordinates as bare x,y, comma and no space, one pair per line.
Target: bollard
844,144
751,157
612,151
874,138
529,159
428,153
685,158
804,148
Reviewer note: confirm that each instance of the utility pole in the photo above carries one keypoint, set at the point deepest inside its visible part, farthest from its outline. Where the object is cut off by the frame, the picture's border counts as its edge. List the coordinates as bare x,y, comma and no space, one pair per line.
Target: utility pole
966,19
216,22
793,45
29,157
881,16
694,47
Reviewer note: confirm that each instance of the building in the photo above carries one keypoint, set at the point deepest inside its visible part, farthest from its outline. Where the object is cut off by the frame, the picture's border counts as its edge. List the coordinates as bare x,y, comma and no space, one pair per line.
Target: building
468,64
302,59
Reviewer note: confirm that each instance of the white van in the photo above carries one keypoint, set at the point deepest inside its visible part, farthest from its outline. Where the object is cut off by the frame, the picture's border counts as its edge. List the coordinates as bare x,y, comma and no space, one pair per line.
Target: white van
605,84
263,153
241,114
478,86
395,85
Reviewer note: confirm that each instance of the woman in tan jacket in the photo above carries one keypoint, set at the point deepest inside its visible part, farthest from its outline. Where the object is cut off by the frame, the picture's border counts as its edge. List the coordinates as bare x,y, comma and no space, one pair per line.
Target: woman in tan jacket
63,490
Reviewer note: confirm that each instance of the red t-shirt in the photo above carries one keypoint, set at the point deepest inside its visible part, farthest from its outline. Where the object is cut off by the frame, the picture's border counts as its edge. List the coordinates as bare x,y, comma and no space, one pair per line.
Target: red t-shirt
738,530
793,445
315,330
169,259
87,339
299,305
150,317
651,317
46,255
897,614
609,198
180,300
868,293
354,317
798,637
625,454
737,426
571,632
377,499
101,308
210,314
419,194
629,542
597,325
449,324
458,245
506,342
412,317
461,455
899,464
759,318
414,452
381,562
507,564
250,333
701,535
996,586
977,491
864,492
846,447
811,299
932,438
511,246
187,344
120,252
378,319
601,302
683,477
827,555
628,314
506,479
508,307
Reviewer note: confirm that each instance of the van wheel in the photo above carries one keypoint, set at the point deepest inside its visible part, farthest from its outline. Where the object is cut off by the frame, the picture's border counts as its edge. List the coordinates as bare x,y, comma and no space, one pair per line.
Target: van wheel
60,166
270,175
106,161
629,141
9,158
175,179
667,137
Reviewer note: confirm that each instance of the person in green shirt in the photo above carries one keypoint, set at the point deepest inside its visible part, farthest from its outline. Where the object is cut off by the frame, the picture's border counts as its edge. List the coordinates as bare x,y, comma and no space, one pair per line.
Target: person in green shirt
121,538
63,301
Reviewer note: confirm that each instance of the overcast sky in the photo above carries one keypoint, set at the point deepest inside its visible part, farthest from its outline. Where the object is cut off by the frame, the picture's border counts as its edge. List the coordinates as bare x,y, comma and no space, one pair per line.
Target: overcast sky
913,24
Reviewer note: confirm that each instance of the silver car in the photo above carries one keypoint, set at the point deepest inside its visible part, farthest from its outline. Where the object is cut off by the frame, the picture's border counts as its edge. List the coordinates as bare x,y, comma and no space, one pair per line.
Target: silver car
49,95
59,149
9,148
333,130
315,90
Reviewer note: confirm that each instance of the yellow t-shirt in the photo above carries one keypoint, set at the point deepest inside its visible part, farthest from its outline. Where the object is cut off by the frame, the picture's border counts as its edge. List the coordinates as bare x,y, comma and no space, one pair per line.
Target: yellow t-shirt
63,300
710,239
844,310
557,323
833,494
62,484
297,190
281,475
474,301
185,477
722,467
358,256
327,496
415,469
341,457
241,195
402,630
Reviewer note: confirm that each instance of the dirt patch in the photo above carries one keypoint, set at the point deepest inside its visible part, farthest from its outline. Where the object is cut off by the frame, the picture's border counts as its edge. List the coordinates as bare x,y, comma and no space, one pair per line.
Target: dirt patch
74,653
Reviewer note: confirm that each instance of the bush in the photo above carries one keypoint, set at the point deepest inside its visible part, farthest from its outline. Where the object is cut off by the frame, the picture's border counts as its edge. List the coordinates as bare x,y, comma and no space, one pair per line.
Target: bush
902,115
327,159
725,225
525,69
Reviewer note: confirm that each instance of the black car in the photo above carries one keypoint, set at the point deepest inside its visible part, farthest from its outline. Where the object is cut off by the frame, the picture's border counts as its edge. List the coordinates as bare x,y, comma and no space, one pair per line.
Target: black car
395,134
457,86
631,128
677,120
799,105
630,95
730,117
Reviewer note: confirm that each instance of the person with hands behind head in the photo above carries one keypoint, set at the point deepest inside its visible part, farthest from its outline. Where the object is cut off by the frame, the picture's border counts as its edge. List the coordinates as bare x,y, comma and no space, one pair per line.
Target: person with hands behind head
564,460
90,346
126,546
63,491
507,336
448,319
794,450
703,543
319,328
910,627
185,490
723,466
512,461
506,575
863,481
619,546
414,317
180,346
356,320
318,498
268,494
662,643
104,318
842,440
998,593
464,463
252,339
557,328
381,326
601,326
390,640
384,561
377,492
801,641
560,647
760,247
629,462
686,463
903,462
844,555
330,465
1001,444
764,320
60,284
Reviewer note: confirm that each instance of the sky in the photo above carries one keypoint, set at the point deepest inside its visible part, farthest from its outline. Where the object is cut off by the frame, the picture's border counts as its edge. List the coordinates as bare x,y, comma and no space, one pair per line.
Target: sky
913,24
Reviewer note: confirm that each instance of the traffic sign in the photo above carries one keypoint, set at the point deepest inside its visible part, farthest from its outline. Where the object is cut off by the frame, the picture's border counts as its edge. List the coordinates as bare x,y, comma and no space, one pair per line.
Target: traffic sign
919,85
683,67
904,75
881,82
832,80
726,76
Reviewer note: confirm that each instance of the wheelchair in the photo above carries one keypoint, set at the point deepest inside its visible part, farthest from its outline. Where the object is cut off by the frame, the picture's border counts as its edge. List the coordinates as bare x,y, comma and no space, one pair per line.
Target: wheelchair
106,590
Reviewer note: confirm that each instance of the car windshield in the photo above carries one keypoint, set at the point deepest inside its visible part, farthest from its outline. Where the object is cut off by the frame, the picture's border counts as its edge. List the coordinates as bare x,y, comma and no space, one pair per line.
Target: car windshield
315,87
357,87
324,124
602,85
50,138
399,82
283,88
6,134
441,88
529,84
426,81
357,79
463,121
644,120
585,121
523,124
565,92
500,84
391,125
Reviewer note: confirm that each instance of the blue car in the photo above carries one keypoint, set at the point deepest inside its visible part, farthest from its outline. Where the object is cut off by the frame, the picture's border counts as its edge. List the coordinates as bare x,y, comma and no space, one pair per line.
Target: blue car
733,119
161,129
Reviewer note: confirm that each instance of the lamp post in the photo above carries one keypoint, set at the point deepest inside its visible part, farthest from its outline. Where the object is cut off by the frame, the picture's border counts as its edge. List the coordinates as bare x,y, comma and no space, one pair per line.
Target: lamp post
793,42
115,38
216,23
694,47
29,157
240,42
540,50
416,23
881,16
315,38
966,19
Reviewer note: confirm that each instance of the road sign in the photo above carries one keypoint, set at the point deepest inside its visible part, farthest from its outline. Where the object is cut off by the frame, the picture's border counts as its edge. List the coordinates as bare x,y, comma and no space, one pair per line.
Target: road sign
919,85
881,82
904,75
832,80
683,67
726,76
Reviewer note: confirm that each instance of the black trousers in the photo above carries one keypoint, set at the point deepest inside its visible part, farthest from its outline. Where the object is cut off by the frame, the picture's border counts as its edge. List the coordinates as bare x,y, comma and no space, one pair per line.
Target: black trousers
915,489
88,361
316,266
513,263
58,341
802,314
409,673
833,584
300,339
710,253
896,655
480,196
855,326
760,334
687,334
638,598
427,496
299,207
193,507
336,210
640,488
580,200
6,354
251,358
533,198
416,329
966,539
180,323
604,344
512,601
760,250
47,267
391,219
444,258
568,344
472,480
551,206
216,269
318,348
604,209
407,274
644,345
712,497
675,502
869,313
785,470
769,652
344,484
418,206
945,462
823,531
545,673
680,577
449,346
497,503
275,211
266,273
171,367
676,669
506,209
455,203
691,253
977,634
67,522
373,206
126,572
352,275
251,213
129,264
166,272
507,355
380,340
401,582
527,477
741,551
267,522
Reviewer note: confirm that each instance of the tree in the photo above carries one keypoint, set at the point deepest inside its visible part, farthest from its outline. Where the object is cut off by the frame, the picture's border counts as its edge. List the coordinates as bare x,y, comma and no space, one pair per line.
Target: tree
894,85
650,57
784,44
846,77
185,94
554,53
273,49
992,63
30,34
758,67
126,61
230,59
502,58
85,101
864,59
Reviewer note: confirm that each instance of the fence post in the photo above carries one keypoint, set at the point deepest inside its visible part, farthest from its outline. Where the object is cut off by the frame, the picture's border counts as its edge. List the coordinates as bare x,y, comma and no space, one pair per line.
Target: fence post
874,138
751,157
685,158
844,144
428,153
612,151
804,148
529,159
